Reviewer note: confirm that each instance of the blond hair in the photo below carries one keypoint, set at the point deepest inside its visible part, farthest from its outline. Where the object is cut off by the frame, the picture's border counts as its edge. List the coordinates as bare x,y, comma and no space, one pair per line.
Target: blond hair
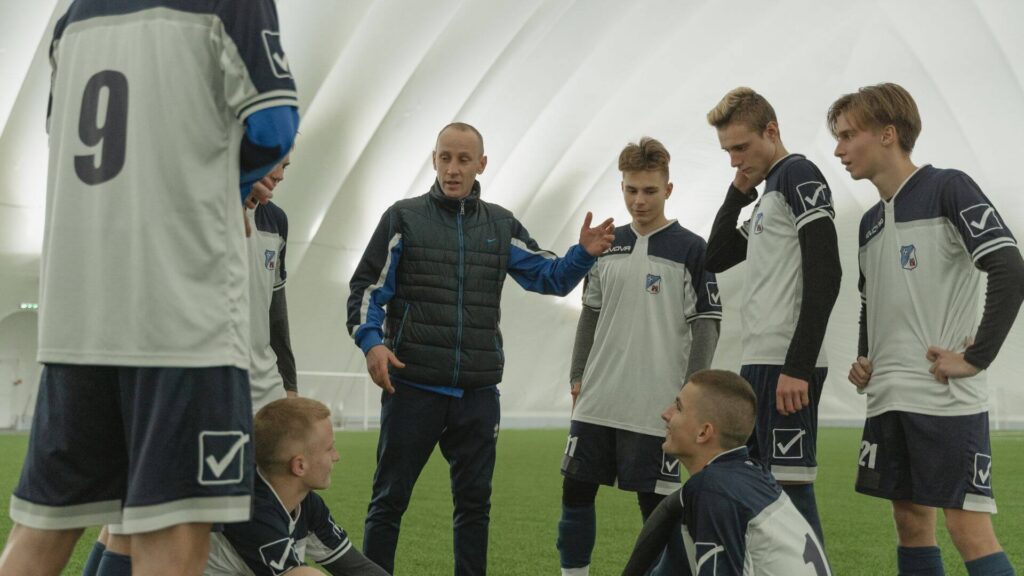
284,426
742,105
648,154
878,106
728,402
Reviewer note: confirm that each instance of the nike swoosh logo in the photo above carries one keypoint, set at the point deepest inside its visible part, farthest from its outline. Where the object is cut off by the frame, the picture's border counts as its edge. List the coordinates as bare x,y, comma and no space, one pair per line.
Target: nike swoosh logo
278,564
784,448
282,62
813,200
984,219
984,474
218,466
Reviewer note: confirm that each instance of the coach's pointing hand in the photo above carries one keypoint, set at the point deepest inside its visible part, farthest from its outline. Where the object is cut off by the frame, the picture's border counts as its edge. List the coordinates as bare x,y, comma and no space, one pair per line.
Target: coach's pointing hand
598,239
377,360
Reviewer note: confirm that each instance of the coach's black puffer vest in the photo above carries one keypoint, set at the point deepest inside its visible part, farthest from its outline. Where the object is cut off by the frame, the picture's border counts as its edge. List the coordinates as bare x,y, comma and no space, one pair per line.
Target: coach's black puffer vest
443,319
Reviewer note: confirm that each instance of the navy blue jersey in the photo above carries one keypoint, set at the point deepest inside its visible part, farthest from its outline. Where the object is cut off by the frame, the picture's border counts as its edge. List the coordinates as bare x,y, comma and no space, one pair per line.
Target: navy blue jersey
274,541
737,521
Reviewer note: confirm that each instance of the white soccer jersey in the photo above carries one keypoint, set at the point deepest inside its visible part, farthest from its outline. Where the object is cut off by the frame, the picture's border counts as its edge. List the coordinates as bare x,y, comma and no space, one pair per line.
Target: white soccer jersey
267,274
648,290
143,259
921,287
795,194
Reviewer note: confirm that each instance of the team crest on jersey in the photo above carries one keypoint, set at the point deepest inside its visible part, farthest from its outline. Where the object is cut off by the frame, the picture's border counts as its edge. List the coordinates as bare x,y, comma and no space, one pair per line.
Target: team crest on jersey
788,443
275,54
983,471
814,195
669,465
269,262
759,223
714,298
981,219
222,457
280,555
908,257
707,557
653,284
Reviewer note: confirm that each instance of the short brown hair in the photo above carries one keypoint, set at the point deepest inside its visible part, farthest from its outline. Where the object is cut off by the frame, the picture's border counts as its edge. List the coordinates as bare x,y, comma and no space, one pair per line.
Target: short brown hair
745,106
728,402
878,106
463,127
649,154
281,425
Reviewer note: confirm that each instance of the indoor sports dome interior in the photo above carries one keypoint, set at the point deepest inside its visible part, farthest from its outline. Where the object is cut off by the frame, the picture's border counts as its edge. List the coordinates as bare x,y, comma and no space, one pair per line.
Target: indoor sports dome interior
557,87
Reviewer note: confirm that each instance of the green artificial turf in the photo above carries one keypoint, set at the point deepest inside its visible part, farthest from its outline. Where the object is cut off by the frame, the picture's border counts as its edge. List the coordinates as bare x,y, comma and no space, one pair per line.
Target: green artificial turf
860,538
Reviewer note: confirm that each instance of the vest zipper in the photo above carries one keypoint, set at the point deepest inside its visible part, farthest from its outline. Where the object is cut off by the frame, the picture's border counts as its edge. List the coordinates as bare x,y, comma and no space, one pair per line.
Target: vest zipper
461,276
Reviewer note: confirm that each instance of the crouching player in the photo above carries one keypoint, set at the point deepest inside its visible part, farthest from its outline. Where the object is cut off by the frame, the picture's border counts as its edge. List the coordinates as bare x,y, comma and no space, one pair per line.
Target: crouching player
736,520
295,453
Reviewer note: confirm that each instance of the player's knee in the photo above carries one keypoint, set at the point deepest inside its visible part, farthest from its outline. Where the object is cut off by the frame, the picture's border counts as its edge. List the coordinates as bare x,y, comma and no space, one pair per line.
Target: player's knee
971,533
915,525
577,494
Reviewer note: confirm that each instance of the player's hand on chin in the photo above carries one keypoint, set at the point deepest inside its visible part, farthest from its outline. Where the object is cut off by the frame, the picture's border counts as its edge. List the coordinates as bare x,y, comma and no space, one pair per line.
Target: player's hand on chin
746,184
791,395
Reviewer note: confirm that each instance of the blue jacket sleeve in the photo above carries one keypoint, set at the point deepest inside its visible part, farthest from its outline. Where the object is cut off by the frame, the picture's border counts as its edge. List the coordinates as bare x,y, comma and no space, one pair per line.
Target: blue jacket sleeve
269,136
373,284
541,271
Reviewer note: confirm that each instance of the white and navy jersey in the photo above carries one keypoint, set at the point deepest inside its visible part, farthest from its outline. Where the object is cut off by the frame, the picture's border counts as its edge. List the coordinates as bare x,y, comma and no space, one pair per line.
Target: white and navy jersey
143,260
648,289
795,193
274,541
737,521
921,286
267,274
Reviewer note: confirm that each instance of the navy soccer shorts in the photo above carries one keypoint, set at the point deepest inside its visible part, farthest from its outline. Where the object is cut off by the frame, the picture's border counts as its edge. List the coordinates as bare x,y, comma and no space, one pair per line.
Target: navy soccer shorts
139,449
630,460
938,461
786,445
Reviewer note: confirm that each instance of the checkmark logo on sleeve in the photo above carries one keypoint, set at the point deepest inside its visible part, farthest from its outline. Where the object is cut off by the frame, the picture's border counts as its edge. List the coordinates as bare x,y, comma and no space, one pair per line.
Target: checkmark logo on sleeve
279,555
980,219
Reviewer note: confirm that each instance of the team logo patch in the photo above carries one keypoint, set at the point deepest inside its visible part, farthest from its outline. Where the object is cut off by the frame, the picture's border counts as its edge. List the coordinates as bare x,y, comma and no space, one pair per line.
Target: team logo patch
653,284
707,557
222,457
908,257
759,223
788,443
275,54
669,465
814,195
280,555
714,298
981,219
269,262
983,471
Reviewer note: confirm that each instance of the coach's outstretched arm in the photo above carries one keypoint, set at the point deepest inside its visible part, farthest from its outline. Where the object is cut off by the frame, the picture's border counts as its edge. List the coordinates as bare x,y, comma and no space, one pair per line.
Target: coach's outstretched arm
538,270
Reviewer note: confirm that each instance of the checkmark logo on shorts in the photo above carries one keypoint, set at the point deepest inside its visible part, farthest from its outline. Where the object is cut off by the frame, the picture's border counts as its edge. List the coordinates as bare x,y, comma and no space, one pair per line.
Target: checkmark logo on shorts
222,457
983,471
787,442
280,555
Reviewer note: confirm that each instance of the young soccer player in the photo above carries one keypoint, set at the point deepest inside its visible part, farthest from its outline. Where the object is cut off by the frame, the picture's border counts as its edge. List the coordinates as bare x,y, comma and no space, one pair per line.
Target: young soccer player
736,519
791,283
921,352
650,318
